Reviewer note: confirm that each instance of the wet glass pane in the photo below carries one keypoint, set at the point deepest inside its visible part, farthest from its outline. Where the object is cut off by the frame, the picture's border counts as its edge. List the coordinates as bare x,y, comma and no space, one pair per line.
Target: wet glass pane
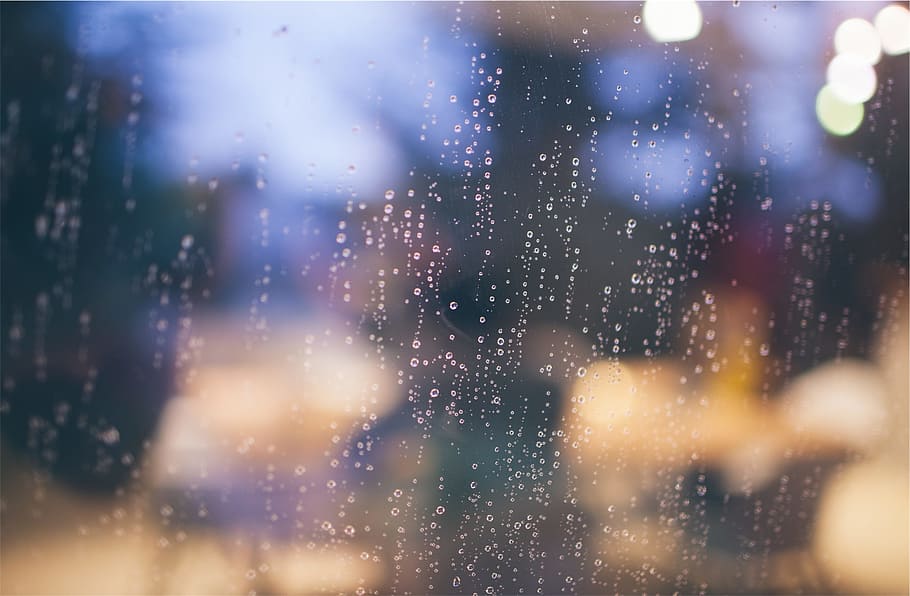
477,298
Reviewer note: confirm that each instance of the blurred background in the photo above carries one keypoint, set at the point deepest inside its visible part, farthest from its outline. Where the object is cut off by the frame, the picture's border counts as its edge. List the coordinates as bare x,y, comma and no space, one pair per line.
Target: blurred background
454,298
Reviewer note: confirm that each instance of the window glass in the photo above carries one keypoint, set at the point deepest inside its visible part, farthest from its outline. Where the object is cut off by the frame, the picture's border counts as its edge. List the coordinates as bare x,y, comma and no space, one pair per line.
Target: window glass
480,298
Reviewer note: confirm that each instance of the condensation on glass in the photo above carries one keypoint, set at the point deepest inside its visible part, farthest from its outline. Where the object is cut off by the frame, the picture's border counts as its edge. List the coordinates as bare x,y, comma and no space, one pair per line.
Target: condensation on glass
448,298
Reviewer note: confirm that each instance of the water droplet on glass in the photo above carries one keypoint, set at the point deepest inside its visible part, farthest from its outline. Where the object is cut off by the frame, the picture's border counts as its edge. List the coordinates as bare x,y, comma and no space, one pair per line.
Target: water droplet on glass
110,436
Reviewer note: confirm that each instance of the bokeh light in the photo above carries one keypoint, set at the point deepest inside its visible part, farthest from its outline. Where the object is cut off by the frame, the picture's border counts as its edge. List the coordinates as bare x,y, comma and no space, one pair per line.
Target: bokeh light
852,79
893,25
836,115
858,37
672,20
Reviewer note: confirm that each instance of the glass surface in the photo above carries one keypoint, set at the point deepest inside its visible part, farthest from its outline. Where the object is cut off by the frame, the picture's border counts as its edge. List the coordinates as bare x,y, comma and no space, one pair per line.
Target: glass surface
519,298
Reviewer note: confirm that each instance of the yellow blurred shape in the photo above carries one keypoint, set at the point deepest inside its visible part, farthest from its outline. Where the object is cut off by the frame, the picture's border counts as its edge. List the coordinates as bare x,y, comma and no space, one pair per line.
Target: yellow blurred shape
838,404
633,412
73,564
202,563
292,397
861,531
293,570
835,115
